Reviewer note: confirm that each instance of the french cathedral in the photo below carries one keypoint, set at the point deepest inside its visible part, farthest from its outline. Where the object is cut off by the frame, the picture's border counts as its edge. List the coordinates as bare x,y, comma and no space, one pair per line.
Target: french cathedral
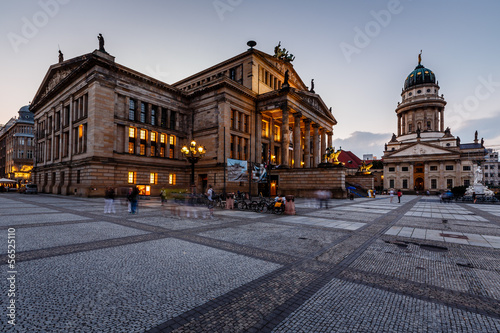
424,155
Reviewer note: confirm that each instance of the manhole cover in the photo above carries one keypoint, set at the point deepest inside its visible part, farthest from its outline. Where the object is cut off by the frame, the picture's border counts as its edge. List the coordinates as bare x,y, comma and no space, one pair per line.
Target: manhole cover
453,236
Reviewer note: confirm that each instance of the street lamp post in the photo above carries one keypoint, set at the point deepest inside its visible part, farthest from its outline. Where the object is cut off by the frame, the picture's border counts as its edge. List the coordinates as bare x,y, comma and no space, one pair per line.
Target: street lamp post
193,154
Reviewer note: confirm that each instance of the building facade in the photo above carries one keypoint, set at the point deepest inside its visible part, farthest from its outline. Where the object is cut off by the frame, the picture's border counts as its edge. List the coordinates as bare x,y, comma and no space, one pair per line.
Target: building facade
424,155
17,147
100,124
491,168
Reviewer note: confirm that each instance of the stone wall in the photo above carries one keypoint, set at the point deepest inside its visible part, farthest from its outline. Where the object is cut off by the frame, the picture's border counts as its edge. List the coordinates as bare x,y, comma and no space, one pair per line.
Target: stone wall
365,181
305,182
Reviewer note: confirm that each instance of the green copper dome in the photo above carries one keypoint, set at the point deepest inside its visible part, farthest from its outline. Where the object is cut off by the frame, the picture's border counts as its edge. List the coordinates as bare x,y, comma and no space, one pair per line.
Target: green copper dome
420,75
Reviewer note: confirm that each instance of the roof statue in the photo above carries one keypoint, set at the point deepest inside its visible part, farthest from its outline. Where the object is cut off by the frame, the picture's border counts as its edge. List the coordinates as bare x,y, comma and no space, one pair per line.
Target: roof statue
282,54
101,43
285,81
458,141
393,139
61,56
312,86
420,57
475,137
418,132
482,142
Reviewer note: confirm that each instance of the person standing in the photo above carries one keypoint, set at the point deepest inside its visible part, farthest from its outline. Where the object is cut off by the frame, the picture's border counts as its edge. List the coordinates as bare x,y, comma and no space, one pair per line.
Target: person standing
133,197
391,194
399,196
109,201
163,196
210,193
474,197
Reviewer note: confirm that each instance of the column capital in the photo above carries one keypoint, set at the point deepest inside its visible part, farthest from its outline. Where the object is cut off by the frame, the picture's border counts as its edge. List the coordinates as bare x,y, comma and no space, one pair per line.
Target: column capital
307,121
315,125
297,115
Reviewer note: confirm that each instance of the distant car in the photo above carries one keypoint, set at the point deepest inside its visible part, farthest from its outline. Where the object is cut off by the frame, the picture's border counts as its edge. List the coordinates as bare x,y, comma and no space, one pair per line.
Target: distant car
31,189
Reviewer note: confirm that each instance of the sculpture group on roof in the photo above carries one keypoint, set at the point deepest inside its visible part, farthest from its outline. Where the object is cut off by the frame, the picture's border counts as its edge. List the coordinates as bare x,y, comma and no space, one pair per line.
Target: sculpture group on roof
282,54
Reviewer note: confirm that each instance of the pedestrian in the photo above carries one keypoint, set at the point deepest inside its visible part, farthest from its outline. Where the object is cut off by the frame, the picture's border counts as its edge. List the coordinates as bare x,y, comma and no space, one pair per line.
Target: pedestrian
474,197
391,194
163,196
210,193
133,197
129,203
399,196
109,201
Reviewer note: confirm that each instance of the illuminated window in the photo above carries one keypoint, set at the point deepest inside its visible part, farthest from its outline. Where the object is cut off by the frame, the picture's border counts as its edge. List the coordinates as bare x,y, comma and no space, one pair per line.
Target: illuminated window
162,138
143,150
153,177
277,133
153,136
131,147
171,153
172,140
131,132
162,152
143,134
80,131
131,177
153,150
265,129
171,179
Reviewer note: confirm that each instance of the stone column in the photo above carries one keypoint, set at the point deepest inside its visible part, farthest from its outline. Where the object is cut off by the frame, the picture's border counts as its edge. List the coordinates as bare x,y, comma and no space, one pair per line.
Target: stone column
441,117
126,139
411,183
413,121
167,146
236,120
138,142
148,143
323,144
258,138
329,134
315,145
285,137
71,151
307,143
399,124
297,149
441,182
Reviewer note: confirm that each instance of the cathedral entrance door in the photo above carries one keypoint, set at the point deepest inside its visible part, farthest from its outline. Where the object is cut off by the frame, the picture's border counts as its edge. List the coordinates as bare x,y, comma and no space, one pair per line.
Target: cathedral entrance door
419,184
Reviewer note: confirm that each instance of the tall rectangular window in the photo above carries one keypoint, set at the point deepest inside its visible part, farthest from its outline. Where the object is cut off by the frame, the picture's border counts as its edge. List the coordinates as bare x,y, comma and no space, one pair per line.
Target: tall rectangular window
131,177
153,116
265,129
131,110
131,147
433,184
153,136
143,149
172,119
449,183
172,140
172,179
163,122
153,178
143,112
405,183
131,132
143,134
162,151
162,138
391,183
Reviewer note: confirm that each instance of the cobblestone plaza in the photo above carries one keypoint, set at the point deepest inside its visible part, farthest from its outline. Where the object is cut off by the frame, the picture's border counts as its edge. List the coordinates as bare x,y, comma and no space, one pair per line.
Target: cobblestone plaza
366,265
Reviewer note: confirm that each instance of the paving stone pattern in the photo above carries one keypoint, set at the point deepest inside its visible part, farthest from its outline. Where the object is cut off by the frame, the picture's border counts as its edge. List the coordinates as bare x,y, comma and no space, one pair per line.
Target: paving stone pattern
366,265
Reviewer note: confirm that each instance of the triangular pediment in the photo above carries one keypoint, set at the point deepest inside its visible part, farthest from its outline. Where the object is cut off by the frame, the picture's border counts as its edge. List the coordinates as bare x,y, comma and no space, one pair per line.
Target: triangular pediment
56,74
421,149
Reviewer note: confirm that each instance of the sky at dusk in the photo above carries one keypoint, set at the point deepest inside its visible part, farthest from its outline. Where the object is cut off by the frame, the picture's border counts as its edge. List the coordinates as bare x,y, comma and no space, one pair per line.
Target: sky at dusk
358,52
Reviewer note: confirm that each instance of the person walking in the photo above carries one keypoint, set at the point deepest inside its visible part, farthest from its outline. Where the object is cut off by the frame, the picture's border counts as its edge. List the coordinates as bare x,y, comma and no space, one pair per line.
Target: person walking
109,201
399,196
391,194
474,197
210,193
